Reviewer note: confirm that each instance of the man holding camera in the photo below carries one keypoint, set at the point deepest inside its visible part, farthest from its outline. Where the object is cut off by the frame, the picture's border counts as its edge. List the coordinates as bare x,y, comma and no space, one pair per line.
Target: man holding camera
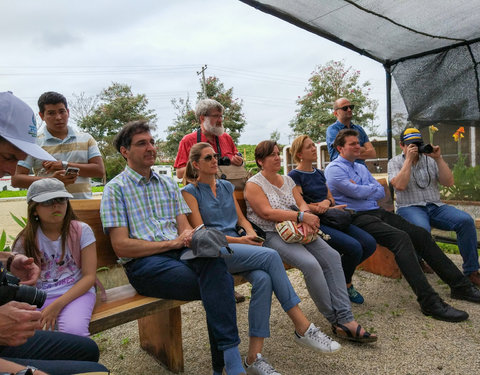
209,113
415,175
23,345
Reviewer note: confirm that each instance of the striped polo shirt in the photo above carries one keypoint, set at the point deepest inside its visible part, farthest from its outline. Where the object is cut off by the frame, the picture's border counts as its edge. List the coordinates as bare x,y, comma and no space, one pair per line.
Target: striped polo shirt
76,148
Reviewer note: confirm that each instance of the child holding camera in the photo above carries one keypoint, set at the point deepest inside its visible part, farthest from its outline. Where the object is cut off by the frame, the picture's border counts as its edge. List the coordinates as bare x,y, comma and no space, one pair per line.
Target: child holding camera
65,251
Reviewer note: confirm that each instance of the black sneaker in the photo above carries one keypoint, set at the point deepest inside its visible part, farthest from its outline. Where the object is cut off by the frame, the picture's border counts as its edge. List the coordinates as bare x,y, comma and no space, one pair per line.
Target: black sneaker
443,311
468,293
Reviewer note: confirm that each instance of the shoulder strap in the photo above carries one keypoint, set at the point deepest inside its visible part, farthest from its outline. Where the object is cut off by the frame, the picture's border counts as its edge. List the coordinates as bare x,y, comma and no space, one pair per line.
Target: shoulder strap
199,139
73,241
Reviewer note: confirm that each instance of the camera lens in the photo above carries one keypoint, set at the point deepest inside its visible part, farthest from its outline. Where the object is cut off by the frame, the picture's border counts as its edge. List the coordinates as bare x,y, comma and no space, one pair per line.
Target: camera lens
31,295
425,149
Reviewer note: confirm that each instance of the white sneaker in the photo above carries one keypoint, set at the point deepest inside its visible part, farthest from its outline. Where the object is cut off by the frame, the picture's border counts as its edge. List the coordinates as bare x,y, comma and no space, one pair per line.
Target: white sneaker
317,340
260,367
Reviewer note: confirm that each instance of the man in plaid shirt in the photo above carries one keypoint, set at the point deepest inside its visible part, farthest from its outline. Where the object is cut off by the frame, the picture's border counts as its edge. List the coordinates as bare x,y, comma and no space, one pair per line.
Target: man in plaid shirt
145,215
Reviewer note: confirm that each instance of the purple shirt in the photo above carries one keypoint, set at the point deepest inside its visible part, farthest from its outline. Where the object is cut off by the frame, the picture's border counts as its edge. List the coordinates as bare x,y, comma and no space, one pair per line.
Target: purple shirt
359,196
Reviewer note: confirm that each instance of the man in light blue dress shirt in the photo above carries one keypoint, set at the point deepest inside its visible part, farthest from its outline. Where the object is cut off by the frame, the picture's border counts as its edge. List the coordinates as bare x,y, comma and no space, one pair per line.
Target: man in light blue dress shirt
352,184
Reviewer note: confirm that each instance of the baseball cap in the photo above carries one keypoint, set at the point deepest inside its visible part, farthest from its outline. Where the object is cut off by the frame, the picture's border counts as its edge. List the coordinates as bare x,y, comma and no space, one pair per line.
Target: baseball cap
411,135
206,243
46,189
19,127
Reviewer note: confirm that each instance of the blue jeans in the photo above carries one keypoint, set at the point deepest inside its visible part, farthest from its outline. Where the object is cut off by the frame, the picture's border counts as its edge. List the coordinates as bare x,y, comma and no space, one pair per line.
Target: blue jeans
447,217
56,353
355,245
207,279
264,269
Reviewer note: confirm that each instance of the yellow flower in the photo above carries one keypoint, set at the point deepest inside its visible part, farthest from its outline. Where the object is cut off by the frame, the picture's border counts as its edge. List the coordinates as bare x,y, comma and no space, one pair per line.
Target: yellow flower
433,129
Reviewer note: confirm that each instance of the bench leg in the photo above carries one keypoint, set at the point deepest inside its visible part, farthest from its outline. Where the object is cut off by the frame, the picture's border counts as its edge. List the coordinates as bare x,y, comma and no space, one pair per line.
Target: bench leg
161,336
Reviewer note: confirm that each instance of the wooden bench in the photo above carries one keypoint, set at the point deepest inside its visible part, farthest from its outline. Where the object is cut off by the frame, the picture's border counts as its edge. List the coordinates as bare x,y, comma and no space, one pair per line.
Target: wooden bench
159,320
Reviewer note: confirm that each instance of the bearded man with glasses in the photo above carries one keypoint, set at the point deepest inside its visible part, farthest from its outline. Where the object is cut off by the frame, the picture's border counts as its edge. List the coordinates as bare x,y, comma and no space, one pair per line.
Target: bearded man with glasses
343,111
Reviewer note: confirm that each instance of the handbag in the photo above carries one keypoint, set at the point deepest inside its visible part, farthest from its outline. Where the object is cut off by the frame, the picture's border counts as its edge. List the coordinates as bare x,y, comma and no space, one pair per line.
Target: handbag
291,232
236,174
336,218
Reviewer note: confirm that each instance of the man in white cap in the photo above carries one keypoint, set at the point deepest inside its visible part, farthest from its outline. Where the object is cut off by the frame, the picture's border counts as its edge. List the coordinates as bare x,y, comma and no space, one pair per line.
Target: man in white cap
416,174
23,345
18,134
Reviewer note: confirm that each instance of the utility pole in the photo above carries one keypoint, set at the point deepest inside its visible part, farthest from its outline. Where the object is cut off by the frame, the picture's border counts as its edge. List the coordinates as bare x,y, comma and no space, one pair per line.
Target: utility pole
204,85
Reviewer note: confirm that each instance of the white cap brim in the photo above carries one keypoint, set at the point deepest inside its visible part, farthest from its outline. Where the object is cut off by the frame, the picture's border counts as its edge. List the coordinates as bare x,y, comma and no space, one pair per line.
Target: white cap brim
30,148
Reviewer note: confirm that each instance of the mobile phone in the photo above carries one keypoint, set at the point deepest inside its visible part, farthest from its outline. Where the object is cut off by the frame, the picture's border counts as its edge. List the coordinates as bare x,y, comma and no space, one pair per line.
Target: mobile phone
72,170
259,239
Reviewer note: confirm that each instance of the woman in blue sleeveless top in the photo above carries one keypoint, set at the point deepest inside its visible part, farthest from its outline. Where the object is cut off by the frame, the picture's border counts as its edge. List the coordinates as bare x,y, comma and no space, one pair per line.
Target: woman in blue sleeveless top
213,204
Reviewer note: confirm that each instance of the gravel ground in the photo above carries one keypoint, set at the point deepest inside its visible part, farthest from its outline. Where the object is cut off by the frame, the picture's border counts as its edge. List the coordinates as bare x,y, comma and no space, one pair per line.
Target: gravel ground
409,342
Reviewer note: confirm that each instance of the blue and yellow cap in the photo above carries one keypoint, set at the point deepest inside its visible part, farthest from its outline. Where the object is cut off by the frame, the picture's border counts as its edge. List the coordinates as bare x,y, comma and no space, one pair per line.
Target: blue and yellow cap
411,135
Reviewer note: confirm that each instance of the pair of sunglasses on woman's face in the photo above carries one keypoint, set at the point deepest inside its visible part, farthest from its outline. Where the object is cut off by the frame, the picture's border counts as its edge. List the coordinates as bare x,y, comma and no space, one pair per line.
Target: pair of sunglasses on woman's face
211,156
53,201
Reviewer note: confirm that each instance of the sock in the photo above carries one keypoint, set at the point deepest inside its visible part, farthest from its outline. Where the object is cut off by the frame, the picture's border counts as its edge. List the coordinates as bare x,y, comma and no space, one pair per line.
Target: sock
233,361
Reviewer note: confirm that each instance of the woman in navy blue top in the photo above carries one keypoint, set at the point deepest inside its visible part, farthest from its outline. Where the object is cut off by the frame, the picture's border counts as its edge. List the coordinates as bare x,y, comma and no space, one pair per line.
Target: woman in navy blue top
213,204
354,244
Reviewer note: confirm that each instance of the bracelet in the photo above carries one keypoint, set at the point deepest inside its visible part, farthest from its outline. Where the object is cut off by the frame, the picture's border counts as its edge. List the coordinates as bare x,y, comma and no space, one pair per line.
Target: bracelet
332,202
300,216
10,261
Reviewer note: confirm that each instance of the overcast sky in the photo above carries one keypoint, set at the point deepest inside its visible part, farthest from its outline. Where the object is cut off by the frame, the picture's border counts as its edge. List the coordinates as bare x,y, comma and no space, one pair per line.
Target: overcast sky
157,47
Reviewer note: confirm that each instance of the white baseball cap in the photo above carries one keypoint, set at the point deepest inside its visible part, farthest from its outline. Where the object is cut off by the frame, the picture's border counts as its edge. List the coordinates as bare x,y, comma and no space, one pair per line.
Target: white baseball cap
19,127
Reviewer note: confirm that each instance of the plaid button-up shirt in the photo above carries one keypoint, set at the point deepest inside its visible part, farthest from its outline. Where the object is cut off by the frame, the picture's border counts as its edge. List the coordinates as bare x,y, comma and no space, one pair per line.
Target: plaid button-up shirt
423,185
148,208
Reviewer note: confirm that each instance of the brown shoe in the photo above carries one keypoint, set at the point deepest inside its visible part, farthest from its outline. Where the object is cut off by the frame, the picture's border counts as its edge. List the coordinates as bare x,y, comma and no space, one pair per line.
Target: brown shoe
475,278
425,267
238,297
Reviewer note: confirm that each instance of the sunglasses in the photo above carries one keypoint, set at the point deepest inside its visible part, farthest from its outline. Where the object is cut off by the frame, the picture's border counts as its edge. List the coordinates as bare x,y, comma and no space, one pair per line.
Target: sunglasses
344,108
210,157
53,201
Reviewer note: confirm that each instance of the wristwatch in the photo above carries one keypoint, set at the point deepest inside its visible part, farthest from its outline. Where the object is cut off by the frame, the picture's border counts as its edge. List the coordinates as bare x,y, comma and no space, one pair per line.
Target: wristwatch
64,164
30,370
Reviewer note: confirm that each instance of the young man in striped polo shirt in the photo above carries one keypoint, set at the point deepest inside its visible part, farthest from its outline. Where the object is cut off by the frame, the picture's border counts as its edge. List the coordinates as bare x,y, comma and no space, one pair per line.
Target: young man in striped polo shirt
69,147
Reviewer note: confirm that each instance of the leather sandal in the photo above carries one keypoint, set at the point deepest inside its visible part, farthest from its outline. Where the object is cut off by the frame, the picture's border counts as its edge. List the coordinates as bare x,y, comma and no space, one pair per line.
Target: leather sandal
348,335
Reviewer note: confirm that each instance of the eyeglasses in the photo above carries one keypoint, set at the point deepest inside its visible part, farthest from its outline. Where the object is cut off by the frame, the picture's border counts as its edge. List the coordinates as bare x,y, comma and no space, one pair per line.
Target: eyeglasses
53,201
211,156
215,116
345,107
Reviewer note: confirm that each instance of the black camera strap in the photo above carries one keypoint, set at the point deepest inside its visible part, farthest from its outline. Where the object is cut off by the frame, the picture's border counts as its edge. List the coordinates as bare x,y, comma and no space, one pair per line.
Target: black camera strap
199,139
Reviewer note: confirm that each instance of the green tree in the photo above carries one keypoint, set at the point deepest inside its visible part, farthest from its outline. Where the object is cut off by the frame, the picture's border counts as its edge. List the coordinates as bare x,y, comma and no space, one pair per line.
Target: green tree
327,83
114,107
275,135
185,121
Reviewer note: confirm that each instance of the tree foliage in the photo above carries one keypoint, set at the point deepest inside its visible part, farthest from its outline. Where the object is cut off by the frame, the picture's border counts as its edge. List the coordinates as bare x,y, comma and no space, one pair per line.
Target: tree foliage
111,109
185,121
327,83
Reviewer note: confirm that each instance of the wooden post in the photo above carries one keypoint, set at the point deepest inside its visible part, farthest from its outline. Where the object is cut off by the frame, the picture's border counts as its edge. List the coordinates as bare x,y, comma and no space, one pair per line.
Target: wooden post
161,336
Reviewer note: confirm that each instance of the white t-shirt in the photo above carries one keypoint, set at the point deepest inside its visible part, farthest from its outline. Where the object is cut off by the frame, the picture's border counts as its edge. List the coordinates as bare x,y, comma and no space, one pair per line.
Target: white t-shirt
57,279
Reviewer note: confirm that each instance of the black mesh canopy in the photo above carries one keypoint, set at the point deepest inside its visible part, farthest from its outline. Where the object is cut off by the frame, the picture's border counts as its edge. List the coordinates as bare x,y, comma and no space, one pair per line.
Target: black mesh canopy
430,47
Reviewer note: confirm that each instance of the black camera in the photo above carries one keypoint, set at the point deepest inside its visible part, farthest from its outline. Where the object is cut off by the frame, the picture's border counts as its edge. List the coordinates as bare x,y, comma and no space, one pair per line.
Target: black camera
224,160
10,290
424,148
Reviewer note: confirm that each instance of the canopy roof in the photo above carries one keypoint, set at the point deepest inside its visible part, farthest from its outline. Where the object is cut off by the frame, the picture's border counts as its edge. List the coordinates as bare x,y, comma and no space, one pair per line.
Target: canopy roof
431,47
